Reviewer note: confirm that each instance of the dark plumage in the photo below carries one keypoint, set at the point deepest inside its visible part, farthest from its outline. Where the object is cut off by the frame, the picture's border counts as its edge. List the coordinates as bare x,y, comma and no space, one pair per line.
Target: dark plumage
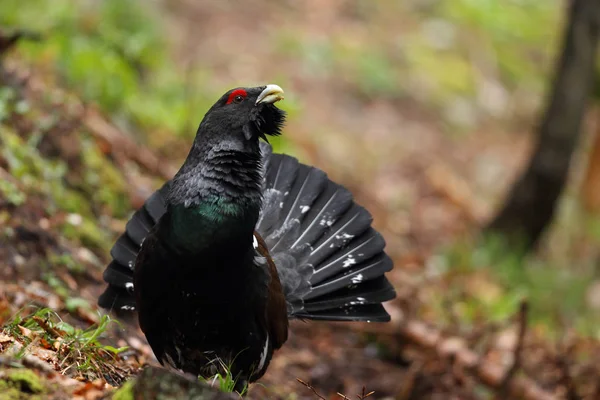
240,240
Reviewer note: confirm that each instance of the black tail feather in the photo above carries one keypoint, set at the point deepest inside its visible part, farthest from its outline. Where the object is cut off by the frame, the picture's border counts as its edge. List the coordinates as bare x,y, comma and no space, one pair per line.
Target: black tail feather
364,272
347,257
117,275
124,251
139,225
115,298
155,205
308,186
330,205
367,313
374,291
353,223
281,174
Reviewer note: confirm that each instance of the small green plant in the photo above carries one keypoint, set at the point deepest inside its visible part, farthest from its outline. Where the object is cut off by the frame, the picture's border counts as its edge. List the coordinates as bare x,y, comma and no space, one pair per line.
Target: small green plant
10,193
79,351
225,380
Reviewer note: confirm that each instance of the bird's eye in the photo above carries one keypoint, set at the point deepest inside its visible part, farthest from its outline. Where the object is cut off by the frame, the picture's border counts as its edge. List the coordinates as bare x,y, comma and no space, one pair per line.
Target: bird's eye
237,96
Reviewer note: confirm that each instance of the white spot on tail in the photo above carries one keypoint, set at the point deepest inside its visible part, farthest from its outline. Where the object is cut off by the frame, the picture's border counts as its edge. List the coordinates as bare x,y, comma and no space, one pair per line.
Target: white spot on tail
326,221
344,236
254,242
129,286
359,300
349,261
304,209
128,308
357,279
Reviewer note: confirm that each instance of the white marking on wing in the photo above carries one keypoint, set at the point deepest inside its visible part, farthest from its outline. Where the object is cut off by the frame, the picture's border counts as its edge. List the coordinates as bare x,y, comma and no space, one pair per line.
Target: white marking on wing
263,355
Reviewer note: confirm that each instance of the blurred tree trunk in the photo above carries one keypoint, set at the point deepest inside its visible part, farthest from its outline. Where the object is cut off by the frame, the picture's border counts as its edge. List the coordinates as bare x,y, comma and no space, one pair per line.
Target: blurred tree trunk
590,188
532,200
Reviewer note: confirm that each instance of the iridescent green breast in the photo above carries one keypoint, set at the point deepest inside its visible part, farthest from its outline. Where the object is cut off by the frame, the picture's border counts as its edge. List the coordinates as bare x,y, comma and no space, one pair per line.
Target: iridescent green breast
209,223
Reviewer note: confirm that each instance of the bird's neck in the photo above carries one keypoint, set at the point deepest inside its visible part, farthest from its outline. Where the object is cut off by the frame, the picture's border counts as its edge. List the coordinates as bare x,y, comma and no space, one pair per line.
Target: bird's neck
215,198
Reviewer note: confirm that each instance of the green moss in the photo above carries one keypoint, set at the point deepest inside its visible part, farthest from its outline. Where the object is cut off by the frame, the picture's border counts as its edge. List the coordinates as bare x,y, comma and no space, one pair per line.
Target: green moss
21,384
35,172
125,392
87,232
8,392
26,380
103,179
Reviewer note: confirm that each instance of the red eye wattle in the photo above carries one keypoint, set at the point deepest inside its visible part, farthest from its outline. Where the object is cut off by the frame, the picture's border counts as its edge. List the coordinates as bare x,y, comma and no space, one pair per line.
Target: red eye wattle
237,96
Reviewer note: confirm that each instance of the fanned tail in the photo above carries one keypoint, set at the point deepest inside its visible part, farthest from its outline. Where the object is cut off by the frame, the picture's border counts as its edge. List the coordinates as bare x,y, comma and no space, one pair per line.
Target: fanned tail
119,273
330,261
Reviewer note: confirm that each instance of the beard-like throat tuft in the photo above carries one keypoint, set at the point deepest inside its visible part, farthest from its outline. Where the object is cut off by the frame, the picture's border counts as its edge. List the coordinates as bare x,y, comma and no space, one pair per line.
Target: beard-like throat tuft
269,121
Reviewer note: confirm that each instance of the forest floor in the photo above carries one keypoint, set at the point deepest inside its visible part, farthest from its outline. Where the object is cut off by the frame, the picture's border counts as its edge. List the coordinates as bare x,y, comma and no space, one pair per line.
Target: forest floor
467,324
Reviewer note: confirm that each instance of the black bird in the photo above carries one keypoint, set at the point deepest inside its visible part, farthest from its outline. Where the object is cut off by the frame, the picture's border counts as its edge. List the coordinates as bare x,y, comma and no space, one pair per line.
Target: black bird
240,240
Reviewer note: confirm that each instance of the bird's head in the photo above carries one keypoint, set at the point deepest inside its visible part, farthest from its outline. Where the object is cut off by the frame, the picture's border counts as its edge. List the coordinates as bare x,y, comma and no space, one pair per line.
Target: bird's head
244,114
225,159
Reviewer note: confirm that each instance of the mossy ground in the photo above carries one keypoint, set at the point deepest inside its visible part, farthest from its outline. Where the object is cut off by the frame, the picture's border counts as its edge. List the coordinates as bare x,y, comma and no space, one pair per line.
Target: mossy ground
124,392
21,384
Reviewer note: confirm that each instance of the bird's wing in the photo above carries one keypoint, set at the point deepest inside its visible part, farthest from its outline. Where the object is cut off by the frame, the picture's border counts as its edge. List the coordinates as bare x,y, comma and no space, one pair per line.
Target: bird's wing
119,273
276,320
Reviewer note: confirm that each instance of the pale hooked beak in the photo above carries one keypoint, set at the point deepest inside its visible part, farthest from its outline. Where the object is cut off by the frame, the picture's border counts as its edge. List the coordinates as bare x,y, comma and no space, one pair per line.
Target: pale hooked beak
270,95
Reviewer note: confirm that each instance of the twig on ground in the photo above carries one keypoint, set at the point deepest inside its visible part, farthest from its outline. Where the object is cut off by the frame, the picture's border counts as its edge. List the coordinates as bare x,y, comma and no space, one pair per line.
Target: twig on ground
308,385
362,396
